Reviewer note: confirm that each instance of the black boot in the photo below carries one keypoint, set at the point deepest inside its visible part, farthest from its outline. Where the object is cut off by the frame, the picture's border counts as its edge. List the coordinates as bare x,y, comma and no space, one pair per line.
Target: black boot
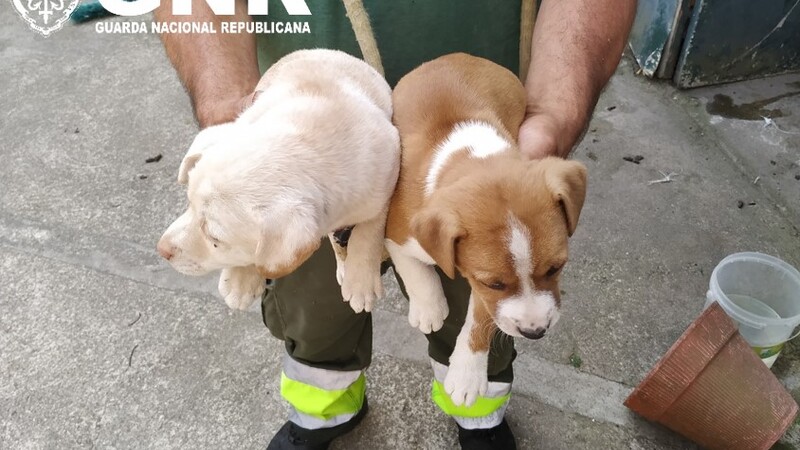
293,437
497,438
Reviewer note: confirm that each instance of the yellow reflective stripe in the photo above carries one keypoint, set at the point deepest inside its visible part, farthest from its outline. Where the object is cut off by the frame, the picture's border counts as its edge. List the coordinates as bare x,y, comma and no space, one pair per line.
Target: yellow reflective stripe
482,407
321,403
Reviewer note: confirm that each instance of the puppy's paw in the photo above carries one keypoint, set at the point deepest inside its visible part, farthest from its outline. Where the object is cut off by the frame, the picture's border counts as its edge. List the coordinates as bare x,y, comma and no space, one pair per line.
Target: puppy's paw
464,383
241,286
428,314
361,286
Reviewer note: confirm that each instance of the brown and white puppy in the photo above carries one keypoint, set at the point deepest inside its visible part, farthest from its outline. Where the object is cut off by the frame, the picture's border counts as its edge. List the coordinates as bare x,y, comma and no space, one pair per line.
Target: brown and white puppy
467,201
315,152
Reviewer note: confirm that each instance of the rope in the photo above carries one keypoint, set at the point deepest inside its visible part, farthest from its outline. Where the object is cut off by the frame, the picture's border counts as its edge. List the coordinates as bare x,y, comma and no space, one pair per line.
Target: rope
359,20
527,18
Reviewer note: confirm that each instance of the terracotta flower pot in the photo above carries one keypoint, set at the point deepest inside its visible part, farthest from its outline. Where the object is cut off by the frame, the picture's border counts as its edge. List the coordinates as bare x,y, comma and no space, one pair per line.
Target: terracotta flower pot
712,388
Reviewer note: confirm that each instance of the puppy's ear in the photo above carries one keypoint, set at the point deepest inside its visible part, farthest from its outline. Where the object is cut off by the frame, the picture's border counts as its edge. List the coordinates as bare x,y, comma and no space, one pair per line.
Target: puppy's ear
566,180
188,163
202,142
438,230
289,236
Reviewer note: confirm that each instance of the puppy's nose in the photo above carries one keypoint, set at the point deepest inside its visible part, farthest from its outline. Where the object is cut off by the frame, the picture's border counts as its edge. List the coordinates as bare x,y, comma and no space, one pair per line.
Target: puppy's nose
165,250
536,333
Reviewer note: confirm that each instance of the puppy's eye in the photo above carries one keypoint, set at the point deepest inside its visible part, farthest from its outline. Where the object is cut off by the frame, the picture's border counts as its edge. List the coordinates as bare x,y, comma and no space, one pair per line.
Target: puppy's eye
552,271
496,285
214,241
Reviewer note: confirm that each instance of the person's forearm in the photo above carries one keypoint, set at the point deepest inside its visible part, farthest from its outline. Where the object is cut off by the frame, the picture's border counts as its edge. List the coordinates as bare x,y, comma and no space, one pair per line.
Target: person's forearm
218,70
577,45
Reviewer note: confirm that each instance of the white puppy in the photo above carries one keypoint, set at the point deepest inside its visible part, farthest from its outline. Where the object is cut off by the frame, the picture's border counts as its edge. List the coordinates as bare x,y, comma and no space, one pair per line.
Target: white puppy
316,152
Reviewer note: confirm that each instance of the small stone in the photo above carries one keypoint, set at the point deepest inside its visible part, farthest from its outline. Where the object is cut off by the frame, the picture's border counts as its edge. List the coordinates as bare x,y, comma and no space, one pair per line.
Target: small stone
739,204
636,159
595,140
77,131
611,108
752,203
142,176
772,162
797,176
154,159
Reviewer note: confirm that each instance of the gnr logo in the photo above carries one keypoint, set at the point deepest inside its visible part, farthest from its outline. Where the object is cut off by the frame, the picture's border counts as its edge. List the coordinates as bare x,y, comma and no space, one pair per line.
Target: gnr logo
45,16
48,16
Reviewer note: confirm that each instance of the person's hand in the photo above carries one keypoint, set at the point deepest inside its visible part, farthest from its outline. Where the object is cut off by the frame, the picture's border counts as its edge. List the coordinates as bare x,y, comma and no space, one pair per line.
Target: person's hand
545,134
538,137
551,129
225,110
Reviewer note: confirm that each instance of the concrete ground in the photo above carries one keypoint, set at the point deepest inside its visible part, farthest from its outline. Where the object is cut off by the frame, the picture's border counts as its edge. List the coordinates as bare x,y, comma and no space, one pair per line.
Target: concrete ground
103,345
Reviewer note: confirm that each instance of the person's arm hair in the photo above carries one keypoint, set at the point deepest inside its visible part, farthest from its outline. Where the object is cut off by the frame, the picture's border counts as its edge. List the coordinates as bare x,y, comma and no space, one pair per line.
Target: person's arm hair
576,46
219,71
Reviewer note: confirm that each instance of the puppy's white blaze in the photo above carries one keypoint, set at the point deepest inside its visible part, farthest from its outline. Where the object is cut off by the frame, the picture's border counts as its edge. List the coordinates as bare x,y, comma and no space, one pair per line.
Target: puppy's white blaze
529,308
480,138
519,246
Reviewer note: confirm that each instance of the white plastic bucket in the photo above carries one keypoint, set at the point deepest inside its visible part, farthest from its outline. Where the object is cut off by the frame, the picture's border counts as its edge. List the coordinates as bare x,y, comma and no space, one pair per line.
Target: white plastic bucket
762,294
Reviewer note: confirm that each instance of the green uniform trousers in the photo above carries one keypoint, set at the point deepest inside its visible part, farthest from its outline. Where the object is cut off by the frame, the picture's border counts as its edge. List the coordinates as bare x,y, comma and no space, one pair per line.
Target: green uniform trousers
305,309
